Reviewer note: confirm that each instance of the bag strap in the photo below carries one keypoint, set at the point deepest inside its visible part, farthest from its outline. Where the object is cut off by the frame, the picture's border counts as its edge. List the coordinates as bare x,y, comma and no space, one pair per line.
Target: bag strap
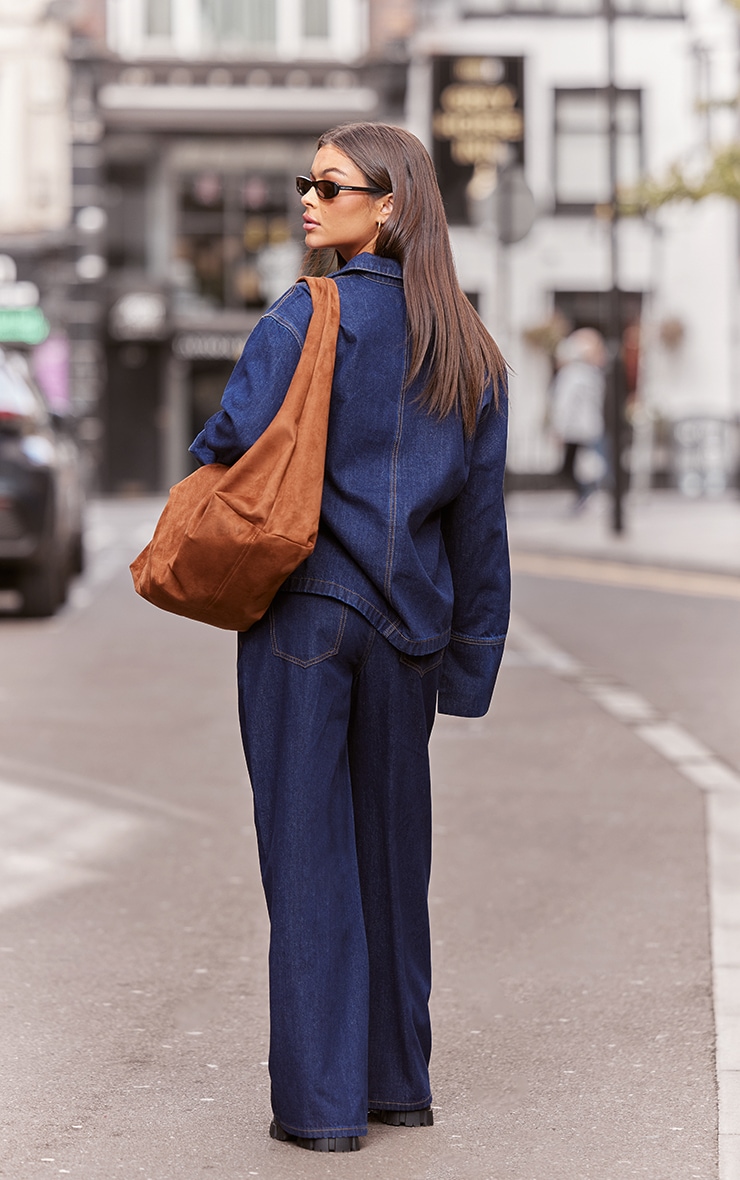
326,309
315,369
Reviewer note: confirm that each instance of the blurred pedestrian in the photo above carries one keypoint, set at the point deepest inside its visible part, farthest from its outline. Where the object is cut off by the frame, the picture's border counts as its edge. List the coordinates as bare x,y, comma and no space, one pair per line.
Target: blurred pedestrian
577,415
402,606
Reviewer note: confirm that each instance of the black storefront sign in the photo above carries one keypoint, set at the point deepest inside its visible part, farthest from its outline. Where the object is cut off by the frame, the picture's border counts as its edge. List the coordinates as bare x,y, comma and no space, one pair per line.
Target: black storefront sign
477,125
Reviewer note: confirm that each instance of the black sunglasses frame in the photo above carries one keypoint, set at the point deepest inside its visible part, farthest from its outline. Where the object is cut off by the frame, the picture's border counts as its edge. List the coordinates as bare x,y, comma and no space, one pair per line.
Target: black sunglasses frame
304,184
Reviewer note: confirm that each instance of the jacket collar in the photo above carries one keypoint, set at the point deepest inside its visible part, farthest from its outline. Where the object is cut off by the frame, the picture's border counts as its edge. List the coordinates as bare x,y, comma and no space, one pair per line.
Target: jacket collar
373,264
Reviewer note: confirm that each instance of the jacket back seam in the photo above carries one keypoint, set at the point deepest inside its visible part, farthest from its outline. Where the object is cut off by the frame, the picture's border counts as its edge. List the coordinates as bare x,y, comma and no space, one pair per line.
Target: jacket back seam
393,505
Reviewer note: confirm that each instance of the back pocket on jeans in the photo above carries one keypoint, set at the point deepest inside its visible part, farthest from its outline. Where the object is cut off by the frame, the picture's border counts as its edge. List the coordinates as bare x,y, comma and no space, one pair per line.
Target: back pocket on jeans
306,628
423,664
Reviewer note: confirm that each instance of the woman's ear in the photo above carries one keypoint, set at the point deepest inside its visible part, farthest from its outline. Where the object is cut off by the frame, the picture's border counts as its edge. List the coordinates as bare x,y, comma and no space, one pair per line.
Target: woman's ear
386,207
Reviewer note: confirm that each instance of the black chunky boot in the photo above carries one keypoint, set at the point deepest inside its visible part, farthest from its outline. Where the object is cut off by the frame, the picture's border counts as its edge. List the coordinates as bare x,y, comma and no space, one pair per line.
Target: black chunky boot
406,1118
343,1143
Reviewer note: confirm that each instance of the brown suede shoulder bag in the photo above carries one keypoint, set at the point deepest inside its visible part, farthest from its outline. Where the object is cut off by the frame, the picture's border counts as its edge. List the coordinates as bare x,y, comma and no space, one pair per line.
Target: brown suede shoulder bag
228,537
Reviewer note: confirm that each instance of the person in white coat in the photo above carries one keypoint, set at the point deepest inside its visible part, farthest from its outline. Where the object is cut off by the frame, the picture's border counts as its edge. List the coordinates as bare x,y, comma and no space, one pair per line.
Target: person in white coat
578,410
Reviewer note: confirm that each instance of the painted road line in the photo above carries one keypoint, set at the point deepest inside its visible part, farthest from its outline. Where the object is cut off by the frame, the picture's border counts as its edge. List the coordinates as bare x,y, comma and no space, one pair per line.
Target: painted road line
711,775
673,741
538,649
621,703
720,783
145,802
48,843
637,577
691,757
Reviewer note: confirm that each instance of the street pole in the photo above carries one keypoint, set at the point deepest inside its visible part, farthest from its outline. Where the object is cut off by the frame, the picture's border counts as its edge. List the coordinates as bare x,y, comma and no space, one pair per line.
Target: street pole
615,385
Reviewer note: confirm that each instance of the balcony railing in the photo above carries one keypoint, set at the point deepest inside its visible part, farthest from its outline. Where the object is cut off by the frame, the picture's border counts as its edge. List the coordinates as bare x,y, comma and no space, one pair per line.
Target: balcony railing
650,9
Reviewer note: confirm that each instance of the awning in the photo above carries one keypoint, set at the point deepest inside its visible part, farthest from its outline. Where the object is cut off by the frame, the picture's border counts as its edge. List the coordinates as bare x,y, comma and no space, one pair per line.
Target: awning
215,108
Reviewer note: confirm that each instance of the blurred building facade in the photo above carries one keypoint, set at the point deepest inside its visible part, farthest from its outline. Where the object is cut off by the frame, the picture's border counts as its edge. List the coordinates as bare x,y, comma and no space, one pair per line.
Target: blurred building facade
190,120
511,97
34,178
149,149
35,191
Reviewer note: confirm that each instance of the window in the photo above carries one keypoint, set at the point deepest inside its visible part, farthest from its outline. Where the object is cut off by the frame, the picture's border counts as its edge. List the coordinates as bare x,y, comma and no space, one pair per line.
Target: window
285,29
251,22
316,18
581,155
158,18
126,191
234,245
591,309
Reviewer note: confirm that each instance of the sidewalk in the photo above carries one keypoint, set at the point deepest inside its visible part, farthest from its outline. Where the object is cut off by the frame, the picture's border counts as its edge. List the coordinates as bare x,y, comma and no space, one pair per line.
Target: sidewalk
663,529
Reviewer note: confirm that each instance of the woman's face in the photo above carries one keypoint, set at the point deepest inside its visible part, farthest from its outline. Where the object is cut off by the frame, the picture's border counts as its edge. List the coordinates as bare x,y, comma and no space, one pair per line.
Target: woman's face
348,222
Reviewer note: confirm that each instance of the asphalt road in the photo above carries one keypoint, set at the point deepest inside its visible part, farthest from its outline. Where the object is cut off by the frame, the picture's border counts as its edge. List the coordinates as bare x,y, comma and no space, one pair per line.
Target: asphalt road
574,1033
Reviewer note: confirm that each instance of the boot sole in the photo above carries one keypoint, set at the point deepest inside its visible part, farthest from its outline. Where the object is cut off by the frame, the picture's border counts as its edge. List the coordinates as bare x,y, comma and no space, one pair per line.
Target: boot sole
342,1143
406,1118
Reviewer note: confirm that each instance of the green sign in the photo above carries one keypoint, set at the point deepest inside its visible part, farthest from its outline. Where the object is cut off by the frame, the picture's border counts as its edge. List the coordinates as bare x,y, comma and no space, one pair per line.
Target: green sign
23,325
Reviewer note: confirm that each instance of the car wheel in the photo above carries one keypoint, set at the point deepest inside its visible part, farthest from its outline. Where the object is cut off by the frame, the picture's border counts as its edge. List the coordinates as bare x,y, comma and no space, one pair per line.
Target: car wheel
42,589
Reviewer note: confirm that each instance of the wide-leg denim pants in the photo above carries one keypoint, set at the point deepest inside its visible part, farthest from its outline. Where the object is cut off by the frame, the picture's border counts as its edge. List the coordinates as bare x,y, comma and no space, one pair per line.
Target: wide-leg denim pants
336,723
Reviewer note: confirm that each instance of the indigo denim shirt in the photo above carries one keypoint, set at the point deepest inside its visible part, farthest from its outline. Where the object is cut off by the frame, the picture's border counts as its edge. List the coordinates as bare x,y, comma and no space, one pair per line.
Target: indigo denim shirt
412,531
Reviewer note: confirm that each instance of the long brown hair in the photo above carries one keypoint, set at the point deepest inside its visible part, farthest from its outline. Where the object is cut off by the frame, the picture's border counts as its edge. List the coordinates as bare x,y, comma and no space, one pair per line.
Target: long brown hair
445,331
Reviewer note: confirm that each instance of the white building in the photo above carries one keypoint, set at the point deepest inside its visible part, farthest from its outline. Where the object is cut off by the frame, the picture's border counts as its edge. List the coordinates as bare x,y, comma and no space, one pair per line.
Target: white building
678,268
34,135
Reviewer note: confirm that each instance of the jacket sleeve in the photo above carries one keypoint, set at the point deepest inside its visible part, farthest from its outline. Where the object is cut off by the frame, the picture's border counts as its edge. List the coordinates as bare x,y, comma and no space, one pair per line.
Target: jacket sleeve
474,530
258,385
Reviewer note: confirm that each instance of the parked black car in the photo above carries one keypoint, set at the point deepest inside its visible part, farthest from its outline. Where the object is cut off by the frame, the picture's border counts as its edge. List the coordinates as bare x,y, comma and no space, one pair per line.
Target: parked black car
41,493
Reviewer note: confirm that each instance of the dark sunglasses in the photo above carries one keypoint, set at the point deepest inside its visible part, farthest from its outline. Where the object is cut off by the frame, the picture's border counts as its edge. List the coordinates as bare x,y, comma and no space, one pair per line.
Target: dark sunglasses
328,189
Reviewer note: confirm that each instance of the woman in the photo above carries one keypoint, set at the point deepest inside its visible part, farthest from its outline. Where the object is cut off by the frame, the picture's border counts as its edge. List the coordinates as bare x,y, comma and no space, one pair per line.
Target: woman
578,410
402,605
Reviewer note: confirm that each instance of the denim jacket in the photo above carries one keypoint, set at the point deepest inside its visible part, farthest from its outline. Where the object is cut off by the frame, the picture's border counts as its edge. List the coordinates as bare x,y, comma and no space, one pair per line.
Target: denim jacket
412,531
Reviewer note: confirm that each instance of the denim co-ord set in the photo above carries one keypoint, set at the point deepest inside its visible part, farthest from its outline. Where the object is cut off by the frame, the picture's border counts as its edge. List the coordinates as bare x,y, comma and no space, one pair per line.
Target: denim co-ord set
402,607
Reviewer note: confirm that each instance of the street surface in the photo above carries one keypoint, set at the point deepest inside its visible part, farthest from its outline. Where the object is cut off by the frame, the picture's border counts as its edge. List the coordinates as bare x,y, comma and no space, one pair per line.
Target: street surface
573,999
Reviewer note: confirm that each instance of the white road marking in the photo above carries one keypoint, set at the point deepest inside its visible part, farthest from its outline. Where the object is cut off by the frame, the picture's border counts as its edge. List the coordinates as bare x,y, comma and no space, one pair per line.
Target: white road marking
623,704
672,741
121,794
48,843
712,775
695,762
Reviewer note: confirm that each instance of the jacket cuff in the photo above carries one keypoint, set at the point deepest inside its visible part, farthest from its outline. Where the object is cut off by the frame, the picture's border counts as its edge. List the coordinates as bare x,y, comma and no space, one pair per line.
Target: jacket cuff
469,671
201,450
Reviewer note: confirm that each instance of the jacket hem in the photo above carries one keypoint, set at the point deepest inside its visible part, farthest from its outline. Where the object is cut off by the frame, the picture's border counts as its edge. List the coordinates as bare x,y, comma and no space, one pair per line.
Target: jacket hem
387,627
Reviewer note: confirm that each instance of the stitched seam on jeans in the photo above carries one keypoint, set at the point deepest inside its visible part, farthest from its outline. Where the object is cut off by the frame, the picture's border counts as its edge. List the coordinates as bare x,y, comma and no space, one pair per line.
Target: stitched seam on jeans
321,1132
366,654
387,280
307,582
409,661
284,324
389,1104
477,642
284,655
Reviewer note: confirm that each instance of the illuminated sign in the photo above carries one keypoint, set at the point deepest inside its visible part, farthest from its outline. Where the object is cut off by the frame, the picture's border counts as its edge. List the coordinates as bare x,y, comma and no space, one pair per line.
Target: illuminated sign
23,325
211,346
477,124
